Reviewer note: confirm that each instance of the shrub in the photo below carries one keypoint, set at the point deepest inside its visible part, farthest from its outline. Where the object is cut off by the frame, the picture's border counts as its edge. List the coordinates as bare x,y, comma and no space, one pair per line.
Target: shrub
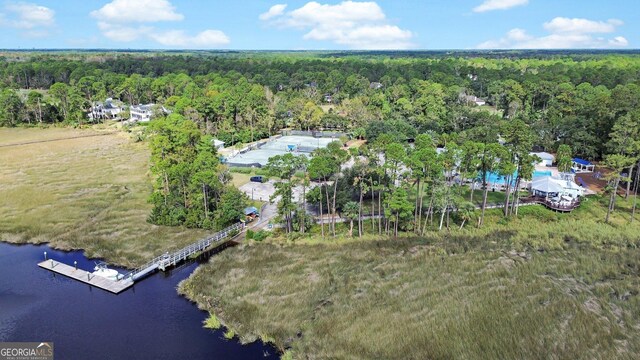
229,334
257,236
240,170
212,322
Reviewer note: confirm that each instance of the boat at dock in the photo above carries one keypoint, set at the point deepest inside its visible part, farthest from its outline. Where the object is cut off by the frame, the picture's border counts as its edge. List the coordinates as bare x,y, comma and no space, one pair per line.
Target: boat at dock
102,270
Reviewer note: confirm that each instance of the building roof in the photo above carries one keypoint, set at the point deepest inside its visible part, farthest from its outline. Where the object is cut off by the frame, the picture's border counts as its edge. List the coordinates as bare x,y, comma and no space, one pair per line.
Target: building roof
217,142
546,184
582,162
544,155
145,107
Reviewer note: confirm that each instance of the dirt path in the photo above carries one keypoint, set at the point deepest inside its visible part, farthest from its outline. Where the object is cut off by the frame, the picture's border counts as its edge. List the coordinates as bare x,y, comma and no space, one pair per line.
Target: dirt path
51,140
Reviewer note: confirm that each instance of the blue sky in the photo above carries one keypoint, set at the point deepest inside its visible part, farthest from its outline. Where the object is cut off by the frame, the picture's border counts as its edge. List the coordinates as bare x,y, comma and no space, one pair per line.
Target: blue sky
323,24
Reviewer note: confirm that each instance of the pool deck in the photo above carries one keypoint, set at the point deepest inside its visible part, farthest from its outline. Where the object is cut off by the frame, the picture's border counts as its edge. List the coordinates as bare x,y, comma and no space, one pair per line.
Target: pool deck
86,277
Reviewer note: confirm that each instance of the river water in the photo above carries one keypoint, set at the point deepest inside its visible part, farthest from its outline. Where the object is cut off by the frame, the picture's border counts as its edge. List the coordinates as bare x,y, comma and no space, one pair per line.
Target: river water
148,321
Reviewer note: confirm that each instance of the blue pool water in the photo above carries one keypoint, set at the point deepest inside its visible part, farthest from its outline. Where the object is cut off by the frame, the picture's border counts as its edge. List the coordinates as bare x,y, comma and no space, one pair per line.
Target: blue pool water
494,178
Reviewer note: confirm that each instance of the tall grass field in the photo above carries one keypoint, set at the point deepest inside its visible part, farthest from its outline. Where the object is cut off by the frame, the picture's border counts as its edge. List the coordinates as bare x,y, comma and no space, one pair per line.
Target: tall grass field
81,189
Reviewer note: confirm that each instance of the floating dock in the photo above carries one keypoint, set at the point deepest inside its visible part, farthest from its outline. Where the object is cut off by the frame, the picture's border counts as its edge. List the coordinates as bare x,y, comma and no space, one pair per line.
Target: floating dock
86,277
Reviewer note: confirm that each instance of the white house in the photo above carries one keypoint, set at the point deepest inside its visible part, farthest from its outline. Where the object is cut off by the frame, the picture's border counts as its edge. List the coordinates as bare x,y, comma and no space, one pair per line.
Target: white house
141,113
106,110
547,159
144,113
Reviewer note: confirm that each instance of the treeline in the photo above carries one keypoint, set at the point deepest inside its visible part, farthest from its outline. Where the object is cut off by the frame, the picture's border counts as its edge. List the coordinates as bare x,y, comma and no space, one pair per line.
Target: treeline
395,186
191,186
244,98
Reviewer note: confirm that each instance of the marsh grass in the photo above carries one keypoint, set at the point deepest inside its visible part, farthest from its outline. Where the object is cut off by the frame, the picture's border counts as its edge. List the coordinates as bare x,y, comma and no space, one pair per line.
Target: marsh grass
409,299
543,285
83,193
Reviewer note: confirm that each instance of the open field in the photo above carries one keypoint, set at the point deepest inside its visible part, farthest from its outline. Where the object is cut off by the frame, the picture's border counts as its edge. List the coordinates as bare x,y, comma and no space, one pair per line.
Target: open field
88,193
545,285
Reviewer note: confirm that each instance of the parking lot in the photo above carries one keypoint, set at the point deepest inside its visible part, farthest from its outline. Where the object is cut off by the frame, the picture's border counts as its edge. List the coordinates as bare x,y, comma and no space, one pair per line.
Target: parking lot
264,191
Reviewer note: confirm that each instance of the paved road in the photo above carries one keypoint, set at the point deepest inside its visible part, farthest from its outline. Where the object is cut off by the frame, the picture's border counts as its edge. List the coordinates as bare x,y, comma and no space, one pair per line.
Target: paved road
268,212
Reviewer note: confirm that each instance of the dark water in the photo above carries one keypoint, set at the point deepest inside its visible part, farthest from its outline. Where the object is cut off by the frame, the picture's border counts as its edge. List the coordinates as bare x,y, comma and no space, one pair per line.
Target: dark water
148,321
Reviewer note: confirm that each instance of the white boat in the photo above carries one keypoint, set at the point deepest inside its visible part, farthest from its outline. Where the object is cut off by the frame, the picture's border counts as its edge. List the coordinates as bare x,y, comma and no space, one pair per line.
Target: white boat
102,270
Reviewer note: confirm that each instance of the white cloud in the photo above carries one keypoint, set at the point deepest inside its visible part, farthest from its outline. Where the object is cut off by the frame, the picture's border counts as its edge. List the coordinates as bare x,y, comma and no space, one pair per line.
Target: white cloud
123,33
179,39
128,20
565,33
490,5
31,19
618,41
274,11
581,26
358,25
137,11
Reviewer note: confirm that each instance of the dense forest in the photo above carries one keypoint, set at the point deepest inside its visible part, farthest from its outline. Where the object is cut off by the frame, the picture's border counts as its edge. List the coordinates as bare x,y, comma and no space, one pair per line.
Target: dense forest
567,99
582,104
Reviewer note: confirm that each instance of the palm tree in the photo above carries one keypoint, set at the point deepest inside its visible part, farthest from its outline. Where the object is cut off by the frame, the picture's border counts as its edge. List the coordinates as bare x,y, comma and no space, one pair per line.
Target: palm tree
465,211
617,163
351,212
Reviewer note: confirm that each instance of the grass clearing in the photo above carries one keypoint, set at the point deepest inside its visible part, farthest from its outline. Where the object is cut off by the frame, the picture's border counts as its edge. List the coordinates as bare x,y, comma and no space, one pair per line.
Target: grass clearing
238,179
83,193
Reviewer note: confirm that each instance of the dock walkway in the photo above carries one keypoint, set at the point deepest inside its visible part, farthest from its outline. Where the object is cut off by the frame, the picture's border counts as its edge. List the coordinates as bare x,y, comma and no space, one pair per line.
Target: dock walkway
86,277
162,262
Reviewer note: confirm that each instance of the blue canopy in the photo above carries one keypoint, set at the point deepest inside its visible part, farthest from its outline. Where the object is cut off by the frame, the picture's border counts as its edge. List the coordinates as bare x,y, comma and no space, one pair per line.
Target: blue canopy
251,210
582,162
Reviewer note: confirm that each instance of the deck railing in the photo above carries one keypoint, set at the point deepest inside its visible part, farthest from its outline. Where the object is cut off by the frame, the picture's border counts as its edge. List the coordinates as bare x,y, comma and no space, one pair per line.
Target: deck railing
171,259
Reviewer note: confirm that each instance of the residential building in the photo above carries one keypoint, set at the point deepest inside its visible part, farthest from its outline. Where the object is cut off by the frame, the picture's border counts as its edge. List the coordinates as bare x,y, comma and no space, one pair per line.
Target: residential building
144,113
106,110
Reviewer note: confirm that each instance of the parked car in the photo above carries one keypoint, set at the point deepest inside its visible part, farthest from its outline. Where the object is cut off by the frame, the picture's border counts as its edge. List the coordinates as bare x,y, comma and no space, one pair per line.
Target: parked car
258,179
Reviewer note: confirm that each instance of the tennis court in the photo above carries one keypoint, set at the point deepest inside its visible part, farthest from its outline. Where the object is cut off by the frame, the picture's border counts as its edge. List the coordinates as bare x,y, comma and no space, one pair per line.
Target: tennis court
295,144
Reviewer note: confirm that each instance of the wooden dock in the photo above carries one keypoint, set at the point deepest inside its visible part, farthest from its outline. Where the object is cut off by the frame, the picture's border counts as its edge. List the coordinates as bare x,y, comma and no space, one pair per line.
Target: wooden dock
162,262
86,277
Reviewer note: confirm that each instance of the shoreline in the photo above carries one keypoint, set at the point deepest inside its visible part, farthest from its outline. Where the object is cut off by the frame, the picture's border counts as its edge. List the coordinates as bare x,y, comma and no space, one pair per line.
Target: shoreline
179,289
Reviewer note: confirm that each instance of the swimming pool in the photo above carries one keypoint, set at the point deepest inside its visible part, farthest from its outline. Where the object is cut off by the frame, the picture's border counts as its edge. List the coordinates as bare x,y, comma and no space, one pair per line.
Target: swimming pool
494,178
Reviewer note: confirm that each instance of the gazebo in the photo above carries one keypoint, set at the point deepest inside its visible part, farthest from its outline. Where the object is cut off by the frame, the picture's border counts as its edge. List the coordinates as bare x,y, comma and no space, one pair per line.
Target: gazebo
546,187
581,166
